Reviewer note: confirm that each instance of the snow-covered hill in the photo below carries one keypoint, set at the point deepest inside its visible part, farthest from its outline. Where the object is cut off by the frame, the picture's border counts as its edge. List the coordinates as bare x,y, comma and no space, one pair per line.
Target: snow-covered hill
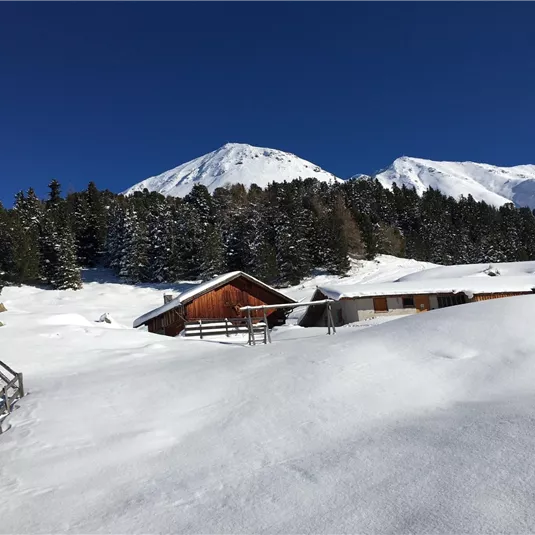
421,425
494,185
233,163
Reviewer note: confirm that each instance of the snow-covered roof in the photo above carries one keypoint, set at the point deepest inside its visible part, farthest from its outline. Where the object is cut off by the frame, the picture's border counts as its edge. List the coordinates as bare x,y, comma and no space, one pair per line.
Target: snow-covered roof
185,297
467,285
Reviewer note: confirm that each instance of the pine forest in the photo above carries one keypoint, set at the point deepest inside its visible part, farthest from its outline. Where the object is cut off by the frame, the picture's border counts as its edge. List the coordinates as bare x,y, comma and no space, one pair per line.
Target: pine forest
279,234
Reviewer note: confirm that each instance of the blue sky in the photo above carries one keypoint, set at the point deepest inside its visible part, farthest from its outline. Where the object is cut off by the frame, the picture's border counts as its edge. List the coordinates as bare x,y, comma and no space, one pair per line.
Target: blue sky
117,92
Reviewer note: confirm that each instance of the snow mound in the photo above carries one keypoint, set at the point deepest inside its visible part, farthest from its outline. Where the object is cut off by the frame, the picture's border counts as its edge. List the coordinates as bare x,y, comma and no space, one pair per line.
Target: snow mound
234,163
66,319
489,183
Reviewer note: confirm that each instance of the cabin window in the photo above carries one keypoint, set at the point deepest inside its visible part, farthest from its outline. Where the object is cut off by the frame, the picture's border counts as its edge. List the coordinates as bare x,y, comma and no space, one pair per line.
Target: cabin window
451,300
380,304
408,302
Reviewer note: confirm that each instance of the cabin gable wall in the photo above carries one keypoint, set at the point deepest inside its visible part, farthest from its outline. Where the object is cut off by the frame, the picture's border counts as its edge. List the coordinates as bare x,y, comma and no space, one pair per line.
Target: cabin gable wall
170,323
225,302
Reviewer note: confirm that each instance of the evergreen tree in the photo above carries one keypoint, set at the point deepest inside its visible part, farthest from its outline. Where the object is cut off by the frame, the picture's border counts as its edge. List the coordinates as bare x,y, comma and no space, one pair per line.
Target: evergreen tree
6,247
115,237
160,243
58,250
134,254
206,255
90,225
28,213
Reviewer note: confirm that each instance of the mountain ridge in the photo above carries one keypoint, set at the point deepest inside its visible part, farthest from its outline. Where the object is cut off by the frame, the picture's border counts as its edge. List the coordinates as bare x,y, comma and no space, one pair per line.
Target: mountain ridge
240,163
485,182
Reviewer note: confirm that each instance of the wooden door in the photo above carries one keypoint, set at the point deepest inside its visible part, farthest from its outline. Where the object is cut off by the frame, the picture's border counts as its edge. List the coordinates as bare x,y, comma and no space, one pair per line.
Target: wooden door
380,304
421,302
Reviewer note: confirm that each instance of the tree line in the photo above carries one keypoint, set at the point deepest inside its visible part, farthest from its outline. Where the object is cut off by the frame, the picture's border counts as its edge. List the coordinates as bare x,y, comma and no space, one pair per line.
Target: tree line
279,234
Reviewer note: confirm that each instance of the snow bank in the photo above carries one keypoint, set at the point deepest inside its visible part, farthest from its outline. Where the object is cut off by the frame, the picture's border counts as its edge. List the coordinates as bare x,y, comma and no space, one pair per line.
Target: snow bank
66,319
500,269
423,424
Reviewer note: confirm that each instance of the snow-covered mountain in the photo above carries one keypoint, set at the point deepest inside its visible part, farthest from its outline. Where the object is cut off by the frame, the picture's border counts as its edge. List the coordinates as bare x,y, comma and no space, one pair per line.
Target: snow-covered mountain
494,185
233,163
239,163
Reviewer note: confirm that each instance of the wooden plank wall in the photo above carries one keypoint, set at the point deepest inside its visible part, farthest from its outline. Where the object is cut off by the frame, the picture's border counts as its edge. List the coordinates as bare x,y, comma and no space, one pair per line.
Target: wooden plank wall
224,302
170,323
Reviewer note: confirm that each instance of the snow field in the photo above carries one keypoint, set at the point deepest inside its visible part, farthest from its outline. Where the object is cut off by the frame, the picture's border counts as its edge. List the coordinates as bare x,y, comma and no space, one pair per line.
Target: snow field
423,424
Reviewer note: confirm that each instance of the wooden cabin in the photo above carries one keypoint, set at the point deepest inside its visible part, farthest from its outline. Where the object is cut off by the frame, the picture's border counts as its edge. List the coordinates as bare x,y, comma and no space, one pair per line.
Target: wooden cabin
360,302
219,298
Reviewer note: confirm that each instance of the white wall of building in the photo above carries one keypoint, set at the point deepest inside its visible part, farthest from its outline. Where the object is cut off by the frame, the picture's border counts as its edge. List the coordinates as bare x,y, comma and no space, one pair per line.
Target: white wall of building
361,308
365,308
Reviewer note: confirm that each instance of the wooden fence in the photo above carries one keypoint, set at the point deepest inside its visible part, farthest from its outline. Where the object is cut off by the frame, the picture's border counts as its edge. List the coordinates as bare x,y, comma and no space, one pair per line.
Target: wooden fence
11,389
256,331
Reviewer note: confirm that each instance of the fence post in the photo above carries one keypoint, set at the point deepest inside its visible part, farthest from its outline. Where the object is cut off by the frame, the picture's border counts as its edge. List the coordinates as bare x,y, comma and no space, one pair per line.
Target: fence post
21,385
331,319
6,400
200,328
226,326
250,326
267,335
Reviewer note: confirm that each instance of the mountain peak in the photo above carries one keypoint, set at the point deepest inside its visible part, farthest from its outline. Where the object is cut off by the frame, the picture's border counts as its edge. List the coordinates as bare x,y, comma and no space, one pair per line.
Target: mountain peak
233,163
489,183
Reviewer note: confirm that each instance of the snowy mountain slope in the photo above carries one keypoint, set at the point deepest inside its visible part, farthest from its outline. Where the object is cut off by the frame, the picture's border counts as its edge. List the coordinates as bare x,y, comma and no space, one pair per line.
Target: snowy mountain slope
234,163
494,185
239,163
421,425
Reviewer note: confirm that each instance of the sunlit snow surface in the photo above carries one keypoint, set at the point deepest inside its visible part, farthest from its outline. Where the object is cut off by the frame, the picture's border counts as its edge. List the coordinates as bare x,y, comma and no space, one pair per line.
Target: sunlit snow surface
422,425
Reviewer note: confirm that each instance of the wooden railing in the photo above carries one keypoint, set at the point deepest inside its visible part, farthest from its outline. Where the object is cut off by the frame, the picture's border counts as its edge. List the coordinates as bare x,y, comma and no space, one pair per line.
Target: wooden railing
11,389
227,327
